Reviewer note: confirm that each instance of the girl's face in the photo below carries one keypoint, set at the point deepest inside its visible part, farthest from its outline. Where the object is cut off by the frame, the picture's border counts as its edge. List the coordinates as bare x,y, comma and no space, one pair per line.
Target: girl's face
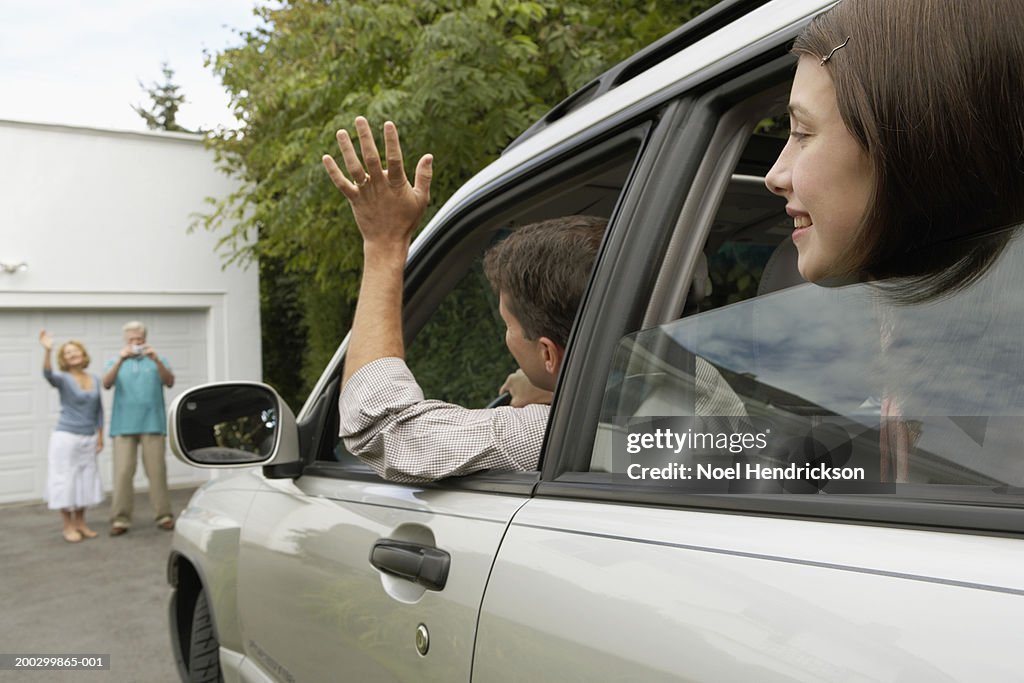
823,173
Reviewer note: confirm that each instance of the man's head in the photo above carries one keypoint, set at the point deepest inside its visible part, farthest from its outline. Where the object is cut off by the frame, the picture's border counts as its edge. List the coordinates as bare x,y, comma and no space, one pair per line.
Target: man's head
540,272
134,333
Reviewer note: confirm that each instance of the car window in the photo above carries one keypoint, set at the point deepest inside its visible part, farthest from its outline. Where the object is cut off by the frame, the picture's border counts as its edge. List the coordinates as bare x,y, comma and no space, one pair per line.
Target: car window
459,356
749,228
835,389
766,384
457,351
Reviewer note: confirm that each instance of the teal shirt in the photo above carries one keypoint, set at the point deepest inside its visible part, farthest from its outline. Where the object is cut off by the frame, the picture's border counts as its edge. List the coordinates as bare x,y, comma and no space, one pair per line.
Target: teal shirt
138,397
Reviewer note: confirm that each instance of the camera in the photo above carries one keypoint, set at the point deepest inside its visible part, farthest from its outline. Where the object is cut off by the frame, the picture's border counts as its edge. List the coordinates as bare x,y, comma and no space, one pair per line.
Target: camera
137,349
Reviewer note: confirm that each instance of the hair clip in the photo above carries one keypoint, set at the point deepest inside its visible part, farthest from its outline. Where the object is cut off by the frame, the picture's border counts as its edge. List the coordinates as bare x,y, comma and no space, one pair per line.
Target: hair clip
829,55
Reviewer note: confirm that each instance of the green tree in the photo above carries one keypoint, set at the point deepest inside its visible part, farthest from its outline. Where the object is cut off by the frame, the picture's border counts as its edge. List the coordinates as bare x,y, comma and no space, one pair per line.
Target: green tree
165,100
460,78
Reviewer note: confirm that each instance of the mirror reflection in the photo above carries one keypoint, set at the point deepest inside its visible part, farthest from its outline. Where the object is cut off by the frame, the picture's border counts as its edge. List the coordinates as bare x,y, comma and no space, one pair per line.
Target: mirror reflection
236,424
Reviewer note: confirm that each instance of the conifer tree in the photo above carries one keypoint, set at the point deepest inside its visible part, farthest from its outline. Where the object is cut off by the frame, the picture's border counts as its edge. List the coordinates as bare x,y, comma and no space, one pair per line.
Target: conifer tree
165,101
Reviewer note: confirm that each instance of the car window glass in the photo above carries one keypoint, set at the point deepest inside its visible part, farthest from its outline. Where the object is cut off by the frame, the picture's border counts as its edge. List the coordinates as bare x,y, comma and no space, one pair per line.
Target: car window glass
854,379
747,231
459,356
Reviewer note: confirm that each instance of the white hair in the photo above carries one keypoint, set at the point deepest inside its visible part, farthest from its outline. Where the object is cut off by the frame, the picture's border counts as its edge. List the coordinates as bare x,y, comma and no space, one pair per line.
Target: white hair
134,326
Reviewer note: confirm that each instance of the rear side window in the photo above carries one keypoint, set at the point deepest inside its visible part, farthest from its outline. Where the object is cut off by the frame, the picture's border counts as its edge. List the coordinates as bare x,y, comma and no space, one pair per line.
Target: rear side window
871,387
752,381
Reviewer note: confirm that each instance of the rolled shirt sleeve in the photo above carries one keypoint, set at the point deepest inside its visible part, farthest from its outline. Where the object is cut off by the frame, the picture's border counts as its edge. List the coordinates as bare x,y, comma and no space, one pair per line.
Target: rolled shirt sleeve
386,422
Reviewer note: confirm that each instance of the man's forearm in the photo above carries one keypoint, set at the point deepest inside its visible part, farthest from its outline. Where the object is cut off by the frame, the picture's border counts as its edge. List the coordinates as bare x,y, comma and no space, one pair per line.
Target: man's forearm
387,210
377,326
108,379
166,376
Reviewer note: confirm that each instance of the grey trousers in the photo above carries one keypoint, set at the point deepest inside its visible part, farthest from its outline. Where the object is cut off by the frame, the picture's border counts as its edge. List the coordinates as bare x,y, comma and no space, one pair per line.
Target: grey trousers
126,449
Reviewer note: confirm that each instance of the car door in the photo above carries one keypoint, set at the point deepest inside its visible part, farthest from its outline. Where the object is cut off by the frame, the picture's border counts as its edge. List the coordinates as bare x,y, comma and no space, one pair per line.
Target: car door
641,558
318,591
313,607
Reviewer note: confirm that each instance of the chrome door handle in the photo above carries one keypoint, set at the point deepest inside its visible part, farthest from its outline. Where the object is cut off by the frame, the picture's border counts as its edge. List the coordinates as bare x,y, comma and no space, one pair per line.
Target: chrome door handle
425,565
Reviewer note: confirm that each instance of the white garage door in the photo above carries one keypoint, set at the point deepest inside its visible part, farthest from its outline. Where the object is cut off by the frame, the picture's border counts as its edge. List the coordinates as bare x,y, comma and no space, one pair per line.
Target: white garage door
29,406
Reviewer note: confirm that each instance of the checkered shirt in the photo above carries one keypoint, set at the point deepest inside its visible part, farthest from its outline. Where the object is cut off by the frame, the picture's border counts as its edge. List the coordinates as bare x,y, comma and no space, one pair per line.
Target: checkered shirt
387,423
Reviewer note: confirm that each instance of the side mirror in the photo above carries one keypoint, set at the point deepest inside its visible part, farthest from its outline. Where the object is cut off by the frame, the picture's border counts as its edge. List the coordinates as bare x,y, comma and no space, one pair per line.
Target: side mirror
232,424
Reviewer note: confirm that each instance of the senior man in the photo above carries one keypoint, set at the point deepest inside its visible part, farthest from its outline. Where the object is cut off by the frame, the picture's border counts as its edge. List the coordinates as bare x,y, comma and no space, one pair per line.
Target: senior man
138,418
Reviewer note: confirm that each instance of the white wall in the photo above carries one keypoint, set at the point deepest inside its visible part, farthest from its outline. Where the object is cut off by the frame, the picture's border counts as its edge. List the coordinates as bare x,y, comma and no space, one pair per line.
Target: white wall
101,218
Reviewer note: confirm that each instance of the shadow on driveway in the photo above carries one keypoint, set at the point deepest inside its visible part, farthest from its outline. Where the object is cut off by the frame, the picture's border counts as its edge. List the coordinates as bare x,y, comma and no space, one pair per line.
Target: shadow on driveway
101,596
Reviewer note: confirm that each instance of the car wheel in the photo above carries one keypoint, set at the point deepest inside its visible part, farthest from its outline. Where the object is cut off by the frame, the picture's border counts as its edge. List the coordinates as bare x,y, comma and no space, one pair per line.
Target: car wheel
204,650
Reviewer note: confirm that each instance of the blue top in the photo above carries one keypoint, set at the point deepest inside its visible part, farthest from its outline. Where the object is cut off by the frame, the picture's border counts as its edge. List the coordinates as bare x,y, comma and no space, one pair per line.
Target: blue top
138,397
81,412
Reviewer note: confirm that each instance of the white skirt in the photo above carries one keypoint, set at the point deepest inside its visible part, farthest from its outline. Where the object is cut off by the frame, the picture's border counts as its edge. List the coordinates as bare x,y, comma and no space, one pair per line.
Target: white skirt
73,478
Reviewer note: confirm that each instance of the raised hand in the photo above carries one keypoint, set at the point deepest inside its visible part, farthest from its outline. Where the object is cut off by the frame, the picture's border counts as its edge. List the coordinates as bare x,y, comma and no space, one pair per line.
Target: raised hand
386,207
46,340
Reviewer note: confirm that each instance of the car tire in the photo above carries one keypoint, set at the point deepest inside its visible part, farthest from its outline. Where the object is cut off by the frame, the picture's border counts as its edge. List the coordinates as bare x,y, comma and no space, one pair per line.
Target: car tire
204,650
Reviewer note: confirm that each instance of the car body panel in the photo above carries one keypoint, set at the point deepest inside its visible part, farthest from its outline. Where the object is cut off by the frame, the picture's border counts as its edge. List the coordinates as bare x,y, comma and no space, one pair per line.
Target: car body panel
613,592
206,536
313,608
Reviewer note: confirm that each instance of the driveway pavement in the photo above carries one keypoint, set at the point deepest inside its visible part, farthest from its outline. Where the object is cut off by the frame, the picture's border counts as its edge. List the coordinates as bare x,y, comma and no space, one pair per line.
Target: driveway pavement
101,596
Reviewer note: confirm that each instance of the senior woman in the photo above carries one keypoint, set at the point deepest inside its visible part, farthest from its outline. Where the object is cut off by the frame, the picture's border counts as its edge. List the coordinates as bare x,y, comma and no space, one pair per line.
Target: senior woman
73,480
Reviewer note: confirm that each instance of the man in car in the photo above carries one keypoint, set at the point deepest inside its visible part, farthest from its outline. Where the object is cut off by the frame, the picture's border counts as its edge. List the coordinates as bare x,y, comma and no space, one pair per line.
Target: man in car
540,273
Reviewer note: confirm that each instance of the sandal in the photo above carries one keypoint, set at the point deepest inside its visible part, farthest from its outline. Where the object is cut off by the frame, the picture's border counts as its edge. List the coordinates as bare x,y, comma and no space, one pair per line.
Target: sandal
72,536
166,523
118,530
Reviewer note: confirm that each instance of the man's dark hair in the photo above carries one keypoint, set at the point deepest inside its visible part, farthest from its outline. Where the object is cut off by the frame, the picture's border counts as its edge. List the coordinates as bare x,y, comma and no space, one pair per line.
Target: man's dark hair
542,269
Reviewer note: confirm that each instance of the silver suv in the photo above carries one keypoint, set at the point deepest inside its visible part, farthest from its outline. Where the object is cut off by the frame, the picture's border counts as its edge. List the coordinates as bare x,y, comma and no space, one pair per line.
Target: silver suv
713,503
